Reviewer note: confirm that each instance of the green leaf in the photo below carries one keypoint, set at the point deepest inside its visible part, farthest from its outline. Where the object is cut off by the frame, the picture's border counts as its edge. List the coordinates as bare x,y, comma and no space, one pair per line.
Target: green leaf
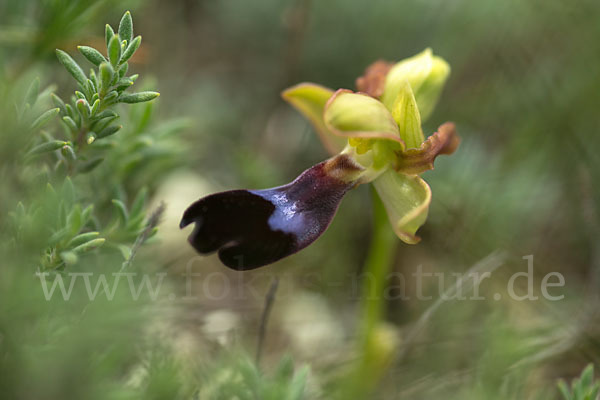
125,251
70,124
68,257
47,147
95,106
70,112
406,114
90,89
587,376
114,50
80,95
88,246
94,79
100,124
68,153
74,220
406,200
131,48
111,97
123,69
84,108
298,384
90,165
44,118
138,97
310,99
564,390
108,34
58,236
108,131
139,202
57,101
68,192
124,83
93,55
32,92
122,210
71,66
82,238
106,114
87,213
126,27
106,76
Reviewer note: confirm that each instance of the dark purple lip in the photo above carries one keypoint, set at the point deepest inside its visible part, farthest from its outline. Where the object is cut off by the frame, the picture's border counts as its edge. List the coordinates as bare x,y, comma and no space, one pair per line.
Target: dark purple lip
253,228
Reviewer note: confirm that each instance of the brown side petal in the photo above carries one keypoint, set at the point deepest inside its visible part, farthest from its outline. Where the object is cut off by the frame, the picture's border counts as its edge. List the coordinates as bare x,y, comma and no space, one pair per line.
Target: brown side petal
373,81
416,161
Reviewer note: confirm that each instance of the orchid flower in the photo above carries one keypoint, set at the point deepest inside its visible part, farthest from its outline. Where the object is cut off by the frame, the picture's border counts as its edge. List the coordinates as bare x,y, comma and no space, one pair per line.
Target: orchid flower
375,136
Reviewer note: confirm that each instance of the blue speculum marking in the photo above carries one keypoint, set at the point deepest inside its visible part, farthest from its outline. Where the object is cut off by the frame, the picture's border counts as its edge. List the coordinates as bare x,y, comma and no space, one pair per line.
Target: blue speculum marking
287,216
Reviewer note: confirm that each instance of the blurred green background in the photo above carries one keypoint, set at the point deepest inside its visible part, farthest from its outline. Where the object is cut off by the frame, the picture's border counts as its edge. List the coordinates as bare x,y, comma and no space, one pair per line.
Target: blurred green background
524,92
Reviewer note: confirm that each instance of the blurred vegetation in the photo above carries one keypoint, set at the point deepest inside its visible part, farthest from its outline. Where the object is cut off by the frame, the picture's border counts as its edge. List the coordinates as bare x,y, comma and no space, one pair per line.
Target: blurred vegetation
524,93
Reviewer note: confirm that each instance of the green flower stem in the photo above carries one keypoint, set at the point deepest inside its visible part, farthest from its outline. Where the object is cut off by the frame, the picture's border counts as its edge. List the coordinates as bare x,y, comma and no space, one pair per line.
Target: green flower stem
373,355
376,268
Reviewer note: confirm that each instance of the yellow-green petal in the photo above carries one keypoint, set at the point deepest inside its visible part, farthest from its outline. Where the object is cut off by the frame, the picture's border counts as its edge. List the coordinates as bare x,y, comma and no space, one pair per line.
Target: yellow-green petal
310,100
406,114
357,115
406,199
426,75
429,93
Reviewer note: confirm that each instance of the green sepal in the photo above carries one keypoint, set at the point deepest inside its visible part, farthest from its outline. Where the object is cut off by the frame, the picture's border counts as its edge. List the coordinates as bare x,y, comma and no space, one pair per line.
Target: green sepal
310,99
406,200
426,75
